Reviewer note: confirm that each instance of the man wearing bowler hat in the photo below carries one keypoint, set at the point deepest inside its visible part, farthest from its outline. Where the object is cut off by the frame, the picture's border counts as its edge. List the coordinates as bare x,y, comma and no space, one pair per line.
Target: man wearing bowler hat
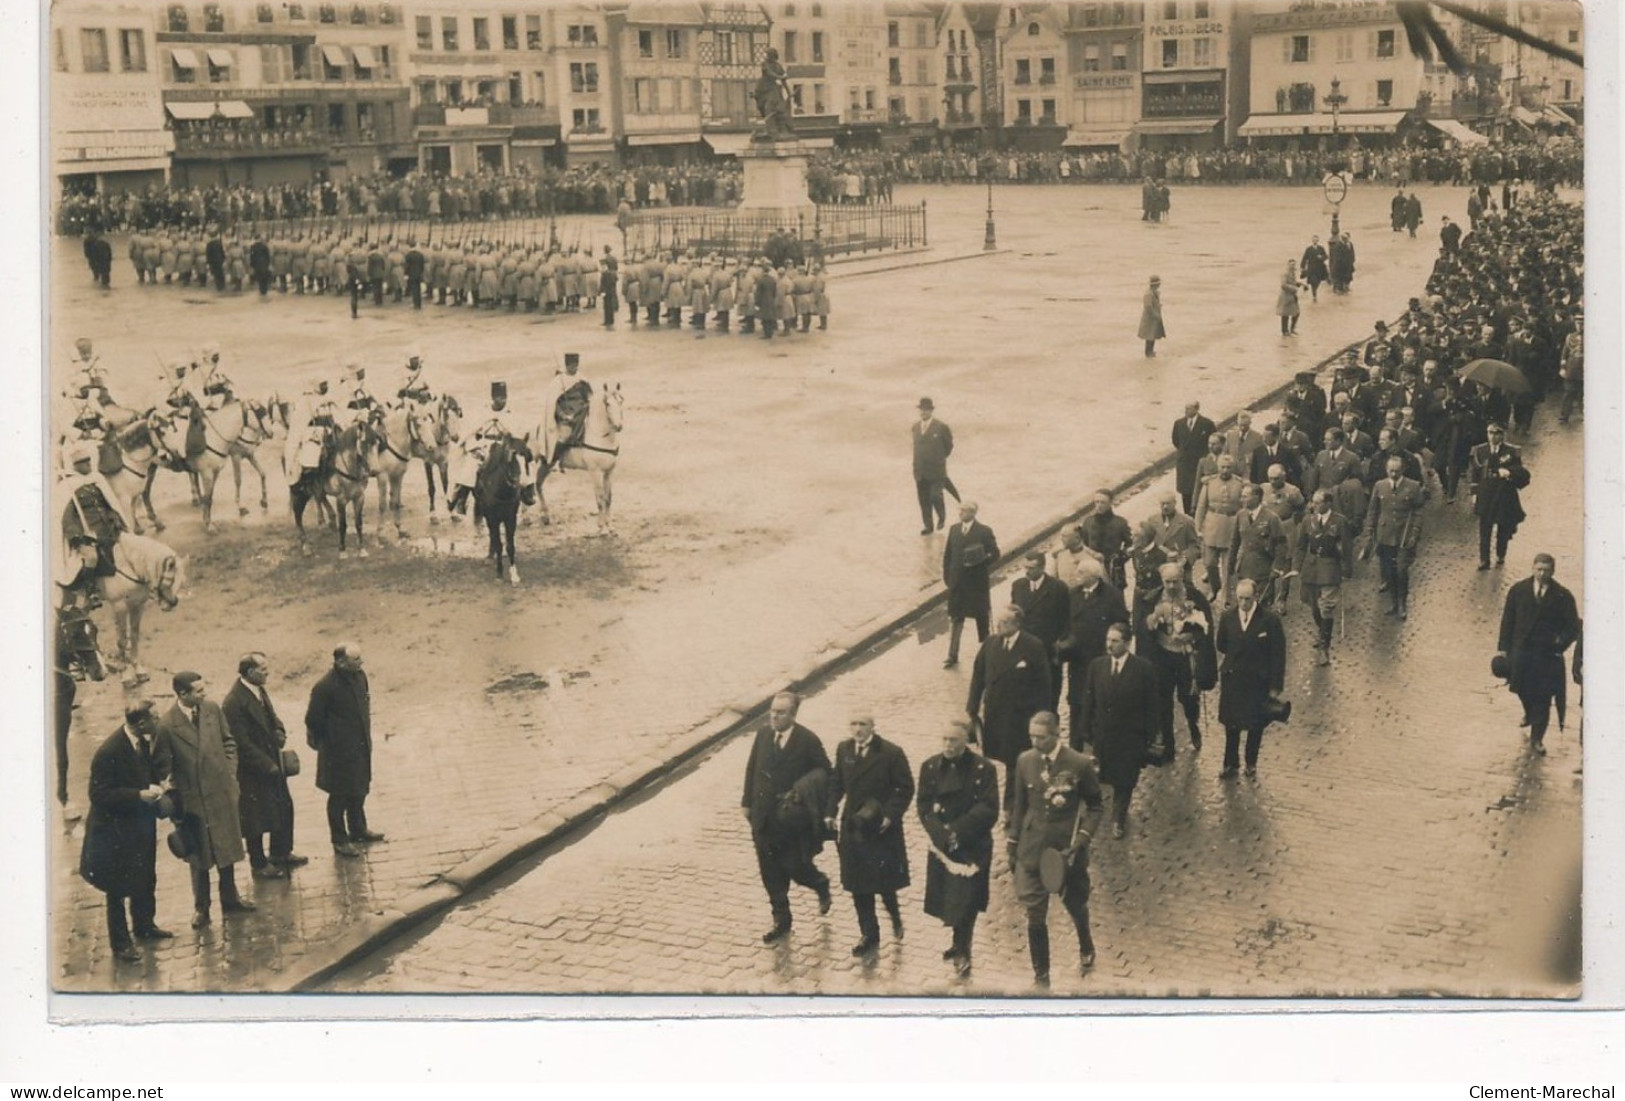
933,443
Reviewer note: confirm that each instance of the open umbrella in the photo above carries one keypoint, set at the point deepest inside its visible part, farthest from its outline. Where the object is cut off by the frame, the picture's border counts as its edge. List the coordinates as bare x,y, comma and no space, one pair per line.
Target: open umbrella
1496,374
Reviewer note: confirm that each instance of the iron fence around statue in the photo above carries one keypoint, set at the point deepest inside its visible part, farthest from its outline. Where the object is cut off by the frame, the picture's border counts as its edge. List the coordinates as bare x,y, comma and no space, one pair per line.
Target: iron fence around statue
826,232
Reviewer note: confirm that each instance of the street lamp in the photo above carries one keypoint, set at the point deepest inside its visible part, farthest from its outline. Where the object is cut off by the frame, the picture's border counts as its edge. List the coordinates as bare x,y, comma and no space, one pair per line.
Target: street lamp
989,243
1335,100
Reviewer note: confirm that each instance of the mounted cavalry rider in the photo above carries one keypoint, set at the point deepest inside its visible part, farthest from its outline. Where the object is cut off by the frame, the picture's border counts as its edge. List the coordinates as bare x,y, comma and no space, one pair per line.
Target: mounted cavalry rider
476,447
207,381
309,421
352,386
93,509
415,385
568,400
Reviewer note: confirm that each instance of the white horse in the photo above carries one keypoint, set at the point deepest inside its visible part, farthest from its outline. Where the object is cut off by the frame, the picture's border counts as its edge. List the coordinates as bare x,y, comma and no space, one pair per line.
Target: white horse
597,453
406,435
143,569
229,435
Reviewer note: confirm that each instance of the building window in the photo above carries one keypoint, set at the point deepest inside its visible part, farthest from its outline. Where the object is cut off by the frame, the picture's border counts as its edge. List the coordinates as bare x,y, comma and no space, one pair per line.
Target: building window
425,27
93,50
182,73
533,32
218,74
335,119
428,92
382,53
263,13
819,107
386,15
538,89
1091,59
1024,110
454,93
894,70
1200,10
296,13
1170,11
482,33
1091,15
643,96
214,20
790,57
923,106
510,32
1201,52
1119,14
1119,57
358,15
299,56
646,43
869,99
1170,53
1568,90
177,19
895,108
789,11
132,51
674,43
724,43
922,70
1047,111
1345,47
1385,93
818,11
1299,48
818,47
448,34
585,119
582,34
331,71
1301,99
921,33
327,13
797,106
485,91
894,34
583,76
1385,43
1024,71
855,100
1046,70
1574,37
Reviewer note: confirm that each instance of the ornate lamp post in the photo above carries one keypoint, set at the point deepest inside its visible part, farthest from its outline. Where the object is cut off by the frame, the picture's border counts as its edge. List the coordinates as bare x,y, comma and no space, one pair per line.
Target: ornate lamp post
1335,100
989,241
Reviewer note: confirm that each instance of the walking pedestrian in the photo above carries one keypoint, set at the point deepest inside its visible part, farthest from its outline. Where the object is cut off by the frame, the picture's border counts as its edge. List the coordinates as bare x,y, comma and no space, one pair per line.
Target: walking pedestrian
1313,268
1118,711
338,726
264,804
969,554
786,785
958,805
1056,809
933,443
1216,509
1093,607
1178,639
1252,674
1010,682
202,754
1539,621
1495,475
120,853
1393,525
1045,602
1286,302
1190,438
1151,327
1324,560
869,793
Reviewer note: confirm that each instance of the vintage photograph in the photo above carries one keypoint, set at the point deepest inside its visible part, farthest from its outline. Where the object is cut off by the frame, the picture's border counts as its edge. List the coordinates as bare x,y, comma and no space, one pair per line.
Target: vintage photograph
783,499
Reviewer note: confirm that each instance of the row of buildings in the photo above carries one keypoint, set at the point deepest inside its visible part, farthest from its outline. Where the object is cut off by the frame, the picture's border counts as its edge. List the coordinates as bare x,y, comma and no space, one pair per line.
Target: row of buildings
275,90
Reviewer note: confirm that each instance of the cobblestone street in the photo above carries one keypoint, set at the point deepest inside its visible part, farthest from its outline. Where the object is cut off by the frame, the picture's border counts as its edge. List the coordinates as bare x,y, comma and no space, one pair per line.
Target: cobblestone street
1399,838
765,519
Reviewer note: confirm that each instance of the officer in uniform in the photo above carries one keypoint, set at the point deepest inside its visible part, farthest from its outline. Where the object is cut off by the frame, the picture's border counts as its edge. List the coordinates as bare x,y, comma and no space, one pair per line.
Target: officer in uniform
360,402
309,421
609,271
566,412
802,291
415,385
475,447
722,291
1324,560
820,294
1216,506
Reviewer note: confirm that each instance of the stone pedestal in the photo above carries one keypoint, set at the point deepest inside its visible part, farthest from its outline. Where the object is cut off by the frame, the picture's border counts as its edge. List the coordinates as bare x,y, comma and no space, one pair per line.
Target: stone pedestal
776,181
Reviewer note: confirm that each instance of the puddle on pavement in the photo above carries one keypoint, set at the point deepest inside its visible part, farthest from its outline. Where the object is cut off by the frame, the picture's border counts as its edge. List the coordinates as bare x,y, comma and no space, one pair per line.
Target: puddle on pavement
537,682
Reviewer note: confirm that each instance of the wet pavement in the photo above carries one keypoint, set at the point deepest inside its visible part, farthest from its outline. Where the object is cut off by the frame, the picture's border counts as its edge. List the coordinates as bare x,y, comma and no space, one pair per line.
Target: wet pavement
764,513
1399,839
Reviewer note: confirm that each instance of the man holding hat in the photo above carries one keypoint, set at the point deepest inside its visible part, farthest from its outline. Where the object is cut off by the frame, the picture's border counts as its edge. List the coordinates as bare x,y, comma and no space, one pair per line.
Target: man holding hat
871,786
967,558
933,443
1056,808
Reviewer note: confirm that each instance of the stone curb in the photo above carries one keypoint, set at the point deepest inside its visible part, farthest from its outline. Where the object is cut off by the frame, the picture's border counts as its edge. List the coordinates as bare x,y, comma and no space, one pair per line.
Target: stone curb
923,263
555,826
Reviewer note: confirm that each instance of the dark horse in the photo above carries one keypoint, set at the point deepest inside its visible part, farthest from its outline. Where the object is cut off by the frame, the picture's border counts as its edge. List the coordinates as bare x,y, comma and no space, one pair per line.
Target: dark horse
497,490
341,479
76,657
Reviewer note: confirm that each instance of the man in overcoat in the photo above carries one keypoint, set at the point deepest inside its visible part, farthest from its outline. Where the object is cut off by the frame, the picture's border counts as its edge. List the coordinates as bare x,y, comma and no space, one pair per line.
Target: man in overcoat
1095,606
1393,525
869,794
969,555
338,726
1045,610
1495,475
264,804
958,805
786,761
1252,673
203,761
1539,621
119,858
1118,718
1057,806
933,443
1009,683
1190,436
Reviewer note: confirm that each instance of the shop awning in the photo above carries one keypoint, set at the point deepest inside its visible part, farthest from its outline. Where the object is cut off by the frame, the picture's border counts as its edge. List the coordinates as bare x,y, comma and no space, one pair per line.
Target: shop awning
1450,128
1525,116
335,56
190,112
1369,122
1078,137
235,109
184,59
728,145
1552,114
363,57
1175,126
220,59
681,137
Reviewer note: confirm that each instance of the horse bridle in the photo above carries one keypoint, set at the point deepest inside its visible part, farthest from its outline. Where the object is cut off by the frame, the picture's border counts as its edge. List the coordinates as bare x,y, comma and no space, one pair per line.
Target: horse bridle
163,589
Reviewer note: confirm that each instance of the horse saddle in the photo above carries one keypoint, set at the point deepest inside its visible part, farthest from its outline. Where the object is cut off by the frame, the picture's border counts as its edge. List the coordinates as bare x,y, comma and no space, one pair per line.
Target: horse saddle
196,441
109,458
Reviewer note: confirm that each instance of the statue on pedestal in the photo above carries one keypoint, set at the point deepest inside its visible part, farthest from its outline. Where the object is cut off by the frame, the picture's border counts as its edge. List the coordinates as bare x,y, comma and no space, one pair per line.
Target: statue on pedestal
772,97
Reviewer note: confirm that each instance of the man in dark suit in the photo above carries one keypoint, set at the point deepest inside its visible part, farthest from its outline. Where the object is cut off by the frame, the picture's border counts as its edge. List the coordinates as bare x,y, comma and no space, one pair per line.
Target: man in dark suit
1538,623
263,803
967,559
1393,525
120,854
869,793
958,804
1306,401
1057,806
1008,685
414,265
933,443
1119,715
1252,673
1095,606
1274,452
1044,603
1190,438
786,758
1495,475
338,726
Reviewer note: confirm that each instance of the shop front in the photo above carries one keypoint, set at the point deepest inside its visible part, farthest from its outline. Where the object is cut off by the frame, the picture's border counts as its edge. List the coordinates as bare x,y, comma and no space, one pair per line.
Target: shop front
1182,111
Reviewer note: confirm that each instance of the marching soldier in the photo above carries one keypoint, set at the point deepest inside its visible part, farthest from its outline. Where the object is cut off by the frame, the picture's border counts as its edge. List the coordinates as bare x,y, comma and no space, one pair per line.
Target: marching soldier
299,262
654,288
820,295
676,289
632,289
395,270
1394,525
699,293
722,291
1217,504
802,295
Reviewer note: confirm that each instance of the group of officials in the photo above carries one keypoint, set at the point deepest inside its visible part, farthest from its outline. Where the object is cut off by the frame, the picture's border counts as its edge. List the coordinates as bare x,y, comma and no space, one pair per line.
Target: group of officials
219,773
